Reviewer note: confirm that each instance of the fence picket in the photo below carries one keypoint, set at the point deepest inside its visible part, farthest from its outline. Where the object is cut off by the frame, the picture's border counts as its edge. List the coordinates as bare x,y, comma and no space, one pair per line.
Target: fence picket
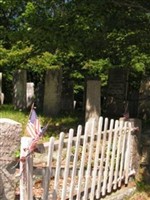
87,179
48,169
110,180
58,165
98,146
118,155
81,171
121,175
109,147
127,158
100,170
79,131
108,157
71,131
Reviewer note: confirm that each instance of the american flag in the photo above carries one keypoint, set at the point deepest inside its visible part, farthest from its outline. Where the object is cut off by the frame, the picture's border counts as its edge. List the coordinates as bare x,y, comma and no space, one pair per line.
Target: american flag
33,126
35,130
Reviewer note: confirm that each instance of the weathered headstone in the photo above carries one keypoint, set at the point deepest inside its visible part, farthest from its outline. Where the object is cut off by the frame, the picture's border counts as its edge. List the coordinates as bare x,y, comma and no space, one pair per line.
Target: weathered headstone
0,82
1,93
144,100
52,92
67,100
30,94
19,98
93,101
133,99
39,96
9,143
117,92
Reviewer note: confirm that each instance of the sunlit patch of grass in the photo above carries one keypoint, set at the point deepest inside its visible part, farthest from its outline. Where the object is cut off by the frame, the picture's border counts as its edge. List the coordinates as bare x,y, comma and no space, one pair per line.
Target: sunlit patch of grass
61,123
7,111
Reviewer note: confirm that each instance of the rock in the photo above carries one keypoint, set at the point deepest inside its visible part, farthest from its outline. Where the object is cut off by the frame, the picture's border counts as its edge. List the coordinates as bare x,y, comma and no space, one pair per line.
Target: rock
9,143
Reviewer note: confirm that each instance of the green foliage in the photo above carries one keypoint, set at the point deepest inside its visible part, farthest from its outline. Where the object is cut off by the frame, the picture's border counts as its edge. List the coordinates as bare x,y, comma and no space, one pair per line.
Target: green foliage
92,35
72,65
137,60
12,59
17,153
30,10
16,57
42,62
98,69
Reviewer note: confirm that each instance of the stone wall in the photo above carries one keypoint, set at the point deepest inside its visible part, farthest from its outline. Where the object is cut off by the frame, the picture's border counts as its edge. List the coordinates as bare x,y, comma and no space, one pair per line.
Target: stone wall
9,143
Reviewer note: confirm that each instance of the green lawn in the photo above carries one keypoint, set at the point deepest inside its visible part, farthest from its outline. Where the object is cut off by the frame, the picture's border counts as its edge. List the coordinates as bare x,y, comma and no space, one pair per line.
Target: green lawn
56,125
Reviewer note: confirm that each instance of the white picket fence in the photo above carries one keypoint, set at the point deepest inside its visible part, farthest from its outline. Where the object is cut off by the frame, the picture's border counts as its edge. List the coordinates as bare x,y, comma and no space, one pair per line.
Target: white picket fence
88,164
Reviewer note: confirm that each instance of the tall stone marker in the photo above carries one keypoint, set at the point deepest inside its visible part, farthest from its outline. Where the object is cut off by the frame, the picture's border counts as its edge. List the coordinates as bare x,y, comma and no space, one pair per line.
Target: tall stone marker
93,101
19,98
52,92
144,100
116,92
10,134
1,93
30,94
0,82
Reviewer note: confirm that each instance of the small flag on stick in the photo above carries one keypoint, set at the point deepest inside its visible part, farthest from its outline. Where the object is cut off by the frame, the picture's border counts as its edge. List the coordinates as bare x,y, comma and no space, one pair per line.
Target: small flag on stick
33,126
35,130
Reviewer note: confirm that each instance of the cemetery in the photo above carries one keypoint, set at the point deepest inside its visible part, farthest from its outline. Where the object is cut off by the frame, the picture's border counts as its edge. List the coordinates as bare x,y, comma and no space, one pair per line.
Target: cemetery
75,100
84,142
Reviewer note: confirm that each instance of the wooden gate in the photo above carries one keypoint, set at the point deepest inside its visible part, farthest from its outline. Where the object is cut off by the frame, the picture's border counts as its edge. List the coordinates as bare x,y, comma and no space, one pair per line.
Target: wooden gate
88,164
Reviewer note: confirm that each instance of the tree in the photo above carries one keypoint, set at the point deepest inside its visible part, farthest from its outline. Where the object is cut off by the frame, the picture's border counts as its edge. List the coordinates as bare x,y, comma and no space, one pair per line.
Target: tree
87,31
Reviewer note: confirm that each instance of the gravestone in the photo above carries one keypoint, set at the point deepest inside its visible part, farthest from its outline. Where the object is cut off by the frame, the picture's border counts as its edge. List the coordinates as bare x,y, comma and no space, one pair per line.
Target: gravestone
19,89
10,133
133,100
52,92
1,93
30,94
144,100
39,96
93,101
0,82
116,92
67,100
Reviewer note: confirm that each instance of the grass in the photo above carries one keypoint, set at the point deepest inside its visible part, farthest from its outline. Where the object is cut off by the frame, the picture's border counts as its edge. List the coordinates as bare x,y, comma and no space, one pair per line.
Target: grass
7,111
61,123
142,192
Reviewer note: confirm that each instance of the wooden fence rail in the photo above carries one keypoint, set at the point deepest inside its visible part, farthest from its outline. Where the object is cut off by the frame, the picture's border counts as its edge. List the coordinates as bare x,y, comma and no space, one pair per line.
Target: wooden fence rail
95,162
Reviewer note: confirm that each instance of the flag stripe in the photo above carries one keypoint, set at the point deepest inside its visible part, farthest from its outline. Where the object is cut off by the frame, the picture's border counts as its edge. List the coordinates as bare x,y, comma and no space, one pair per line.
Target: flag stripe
31,130
33,127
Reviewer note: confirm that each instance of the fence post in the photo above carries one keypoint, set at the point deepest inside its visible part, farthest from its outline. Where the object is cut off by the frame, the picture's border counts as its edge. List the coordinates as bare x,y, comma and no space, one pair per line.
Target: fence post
26,171
135,145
